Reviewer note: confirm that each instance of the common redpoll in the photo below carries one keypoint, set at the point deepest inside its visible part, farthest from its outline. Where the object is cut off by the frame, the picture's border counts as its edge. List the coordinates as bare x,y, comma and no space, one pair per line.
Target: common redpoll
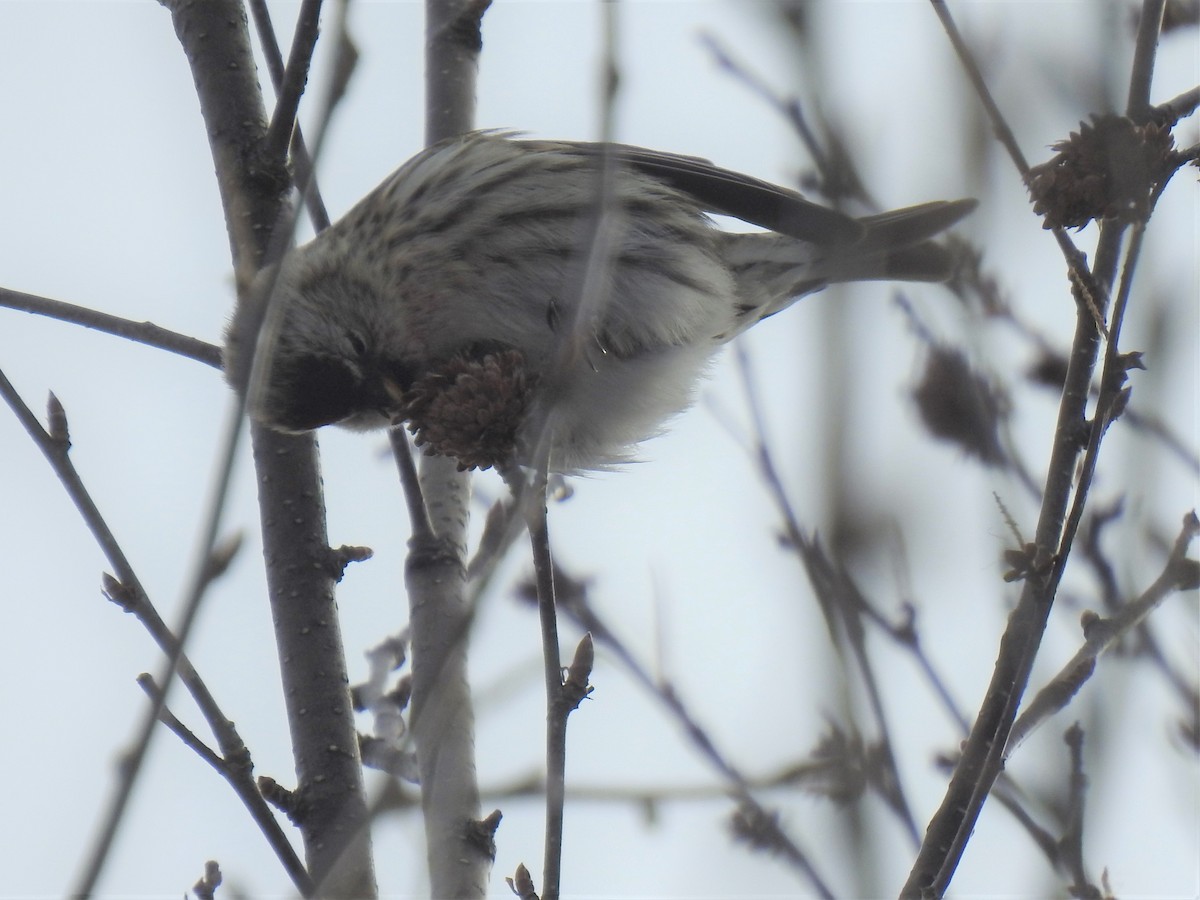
493,290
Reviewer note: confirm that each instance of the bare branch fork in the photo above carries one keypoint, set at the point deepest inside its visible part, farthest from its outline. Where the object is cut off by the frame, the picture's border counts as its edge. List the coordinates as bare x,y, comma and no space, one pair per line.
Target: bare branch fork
213,68
1180,573
751,821
982,757
284,139
126,590
842,600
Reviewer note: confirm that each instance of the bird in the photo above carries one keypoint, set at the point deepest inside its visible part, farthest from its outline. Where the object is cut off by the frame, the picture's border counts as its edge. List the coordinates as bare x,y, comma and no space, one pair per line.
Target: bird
498,294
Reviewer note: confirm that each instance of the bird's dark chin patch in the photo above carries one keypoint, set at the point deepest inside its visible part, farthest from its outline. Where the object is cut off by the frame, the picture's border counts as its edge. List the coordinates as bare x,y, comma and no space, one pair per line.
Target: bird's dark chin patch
312,391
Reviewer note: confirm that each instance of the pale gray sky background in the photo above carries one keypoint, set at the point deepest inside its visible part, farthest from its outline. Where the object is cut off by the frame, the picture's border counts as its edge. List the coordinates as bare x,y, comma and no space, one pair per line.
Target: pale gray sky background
107,199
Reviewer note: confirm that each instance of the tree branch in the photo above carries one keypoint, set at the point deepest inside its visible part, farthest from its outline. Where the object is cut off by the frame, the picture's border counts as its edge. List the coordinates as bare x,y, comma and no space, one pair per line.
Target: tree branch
300,577
1178,574
143,332
289,86
982,757
573,600
126,590
442,717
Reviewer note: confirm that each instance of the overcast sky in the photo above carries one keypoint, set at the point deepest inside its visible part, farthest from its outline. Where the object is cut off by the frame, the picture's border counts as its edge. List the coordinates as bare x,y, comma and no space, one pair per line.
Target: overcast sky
108,201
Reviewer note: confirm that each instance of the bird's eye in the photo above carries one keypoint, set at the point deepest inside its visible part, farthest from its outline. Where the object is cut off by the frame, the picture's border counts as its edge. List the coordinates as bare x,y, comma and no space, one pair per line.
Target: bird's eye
357,344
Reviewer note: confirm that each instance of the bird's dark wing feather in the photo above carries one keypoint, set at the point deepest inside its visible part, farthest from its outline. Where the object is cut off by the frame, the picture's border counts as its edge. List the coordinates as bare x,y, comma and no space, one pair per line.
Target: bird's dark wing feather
908,226
770,206
731,193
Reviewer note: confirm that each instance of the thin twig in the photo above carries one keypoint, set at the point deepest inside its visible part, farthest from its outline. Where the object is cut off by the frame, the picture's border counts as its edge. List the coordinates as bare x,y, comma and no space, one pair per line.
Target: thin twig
982,758
289,86
1000,126
236,768
563,694
142,332
420,527
1177,107
128,591
1076,261
572,599
196,587
1071,843
1145,49
1178,574
556,709
1112,387
840,599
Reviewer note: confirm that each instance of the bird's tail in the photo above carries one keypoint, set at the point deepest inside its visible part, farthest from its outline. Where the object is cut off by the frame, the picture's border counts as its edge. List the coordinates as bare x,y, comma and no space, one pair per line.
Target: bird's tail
771,271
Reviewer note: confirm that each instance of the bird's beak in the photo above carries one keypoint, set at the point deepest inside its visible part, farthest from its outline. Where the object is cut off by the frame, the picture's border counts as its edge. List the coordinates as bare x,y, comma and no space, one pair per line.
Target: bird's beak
393,390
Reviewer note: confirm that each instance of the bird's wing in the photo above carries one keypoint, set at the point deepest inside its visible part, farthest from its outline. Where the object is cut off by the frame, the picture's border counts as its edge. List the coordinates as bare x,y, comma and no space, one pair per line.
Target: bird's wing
913,224
729,193
776,208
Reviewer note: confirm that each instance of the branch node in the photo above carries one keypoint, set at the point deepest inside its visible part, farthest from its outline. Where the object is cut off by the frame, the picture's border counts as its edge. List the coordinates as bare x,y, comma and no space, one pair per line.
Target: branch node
575,685
430,552
521,883
465,29
286,801
223,553
206,887
341,557
481,833
385,756
56,422
116,591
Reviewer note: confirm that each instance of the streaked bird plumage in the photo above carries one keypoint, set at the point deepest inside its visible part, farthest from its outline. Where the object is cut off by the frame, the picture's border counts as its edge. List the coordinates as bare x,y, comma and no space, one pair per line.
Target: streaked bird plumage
479,244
